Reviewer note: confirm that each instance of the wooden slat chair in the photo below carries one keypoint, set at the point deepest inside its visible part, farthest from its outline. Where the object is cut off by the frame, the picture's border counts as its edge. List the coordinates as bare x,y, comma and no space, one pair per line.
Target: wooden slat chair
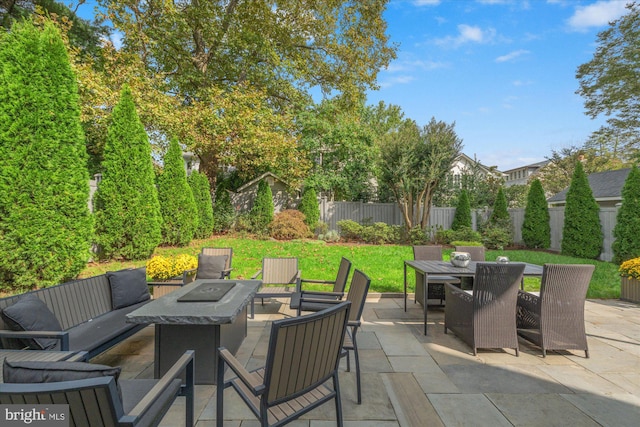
280,279
554,320
96,402
486,317
431,253
357,295
221,251
336,293
302,363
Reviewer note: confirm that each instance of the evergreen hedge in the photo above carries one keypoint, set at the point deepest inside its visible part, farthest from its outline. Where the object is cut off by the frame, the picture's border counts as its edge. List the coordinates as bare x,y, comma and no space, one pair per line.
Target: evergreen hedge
199,184
262,211
627,229
45,223
223,212
178,207
128,221
582,234
309,207
500,215
536,230
462,216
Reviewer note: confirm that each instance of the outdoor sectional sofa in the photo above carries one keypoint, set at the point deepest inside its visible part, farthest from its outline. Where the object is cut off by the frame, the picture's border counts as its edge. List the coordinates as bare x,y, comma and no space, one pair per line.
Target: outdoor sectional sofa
82,315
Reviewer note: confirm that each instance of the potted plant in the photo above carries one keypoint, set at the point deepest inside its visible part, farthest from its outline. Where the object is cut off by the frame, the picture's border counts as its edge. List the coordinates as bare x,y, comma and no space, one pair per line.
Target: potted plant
161,268
630,280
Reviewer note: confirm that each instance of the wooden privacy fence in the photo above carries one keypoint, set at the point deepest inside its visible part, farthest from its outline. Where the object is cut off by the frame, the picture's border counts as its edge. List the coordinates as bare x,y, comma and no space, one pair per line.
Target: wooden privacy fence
389,213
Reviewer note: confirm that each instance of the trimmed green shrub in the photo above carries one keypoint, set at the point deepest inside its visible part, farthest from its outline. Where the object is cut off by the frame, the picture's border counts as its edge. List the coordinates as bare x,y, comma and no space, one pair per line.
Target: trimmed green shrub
447,237
536,230
262,211
627,229
309,207
223,212
349,229
582,234
45,223
330,236
202,195
178,207
496,238
462,216
128,220
500,215
288,225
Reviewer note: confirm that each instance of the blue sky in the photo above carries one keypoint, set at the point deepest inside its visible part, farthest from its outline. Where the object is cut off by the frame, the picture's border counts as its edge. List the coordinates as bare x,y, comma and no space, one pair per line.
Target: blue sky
502,70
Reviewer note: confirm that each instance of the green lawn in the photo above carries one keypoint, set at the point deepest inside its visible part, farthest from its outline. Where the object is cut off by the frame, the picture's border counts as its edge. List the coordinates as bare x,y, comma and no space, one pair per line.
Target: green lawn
383,264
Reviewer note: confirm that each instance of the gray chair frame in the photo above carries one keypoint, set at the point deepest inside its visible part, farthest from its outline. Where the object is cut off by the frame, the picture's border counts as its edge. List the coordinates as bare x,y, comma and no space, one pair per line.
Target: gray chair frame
302,358
277,271
554,320
430,253
96,401
477,253
339,285
486,317
357,295
190,275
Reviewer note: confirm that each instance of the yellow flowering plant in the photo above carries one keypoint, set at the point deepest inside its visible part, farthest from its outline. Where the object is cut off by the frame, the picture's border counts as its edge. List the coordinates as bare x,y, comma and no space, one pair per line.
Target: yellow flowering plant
630,268
163,267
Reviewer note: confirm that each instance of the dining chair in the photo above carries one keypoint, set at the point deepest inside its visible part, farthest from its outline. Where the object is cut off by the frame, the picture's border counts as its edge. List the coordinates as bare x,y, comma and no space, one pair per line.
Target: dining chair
280,279
435,288
336,293
477,254
221,252
554,319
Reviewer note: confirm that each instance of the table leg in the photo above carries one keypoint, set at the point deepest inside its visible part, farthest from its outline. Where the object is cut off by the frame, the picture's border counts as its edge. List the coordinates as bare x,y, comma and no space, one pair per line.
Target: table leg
425,292
405,286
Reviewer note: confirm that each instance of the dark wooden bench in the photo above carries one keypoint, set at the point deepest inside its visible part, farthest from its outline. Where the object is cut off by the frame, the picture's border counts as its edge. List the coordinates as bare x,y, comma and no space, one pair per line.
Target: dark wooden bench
87,317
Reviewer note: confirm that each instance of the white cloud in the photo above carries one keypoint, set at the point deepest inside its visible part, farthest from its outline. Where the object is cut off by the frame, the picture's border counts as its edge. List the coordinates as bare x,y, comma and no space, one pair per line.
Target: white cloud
398,80
512,55
597,14
426,2
468,34
522,82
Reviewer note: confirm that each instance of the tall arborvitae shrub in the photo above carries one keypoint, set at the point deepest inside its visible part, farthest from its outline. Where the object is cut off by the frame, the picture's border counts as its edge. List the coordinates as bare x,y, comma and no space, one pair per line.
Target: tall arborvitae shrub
178,207
462,216
127,210
500,215
536,231
627,229
223,212
202,195
310,208
45,223
262,211
582,233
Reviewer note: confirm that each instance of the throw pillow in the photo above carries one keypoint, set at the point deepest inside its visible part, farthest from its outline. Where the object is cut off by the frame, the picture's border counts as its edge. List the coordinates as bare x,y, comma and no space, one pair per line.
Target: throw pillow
26,372
211,266
30,313
128,287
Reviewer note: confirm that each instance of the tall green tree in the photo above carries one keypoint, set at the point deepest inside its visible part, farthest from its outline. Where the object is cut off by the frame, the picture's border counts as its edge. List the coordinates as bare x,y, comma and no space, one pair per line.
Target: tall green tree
536,230
627,244
609,81
127,211
500,214
177,204
223,212
310,208
462,216
262,211
582,233
202,195
45,223
413,162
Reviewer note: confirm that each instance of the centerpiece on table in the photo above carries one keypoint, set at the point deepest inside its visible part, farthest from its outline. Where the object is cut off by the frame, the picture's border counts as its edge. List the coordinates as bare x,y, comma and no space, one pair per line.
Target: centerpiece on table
160,268
630,280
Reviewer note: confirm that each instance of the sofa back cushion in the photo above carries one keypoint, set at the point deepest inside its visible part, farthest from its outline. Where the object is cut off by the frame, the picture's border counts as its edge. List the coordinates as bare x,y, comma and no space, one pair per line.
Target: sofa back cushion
128,287
30,313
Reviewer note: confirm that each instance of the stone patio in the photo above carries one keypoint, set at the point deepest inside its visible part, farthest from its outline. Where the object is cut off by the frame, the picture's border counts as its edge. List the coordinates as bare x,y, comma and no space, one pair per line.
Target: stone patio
414,380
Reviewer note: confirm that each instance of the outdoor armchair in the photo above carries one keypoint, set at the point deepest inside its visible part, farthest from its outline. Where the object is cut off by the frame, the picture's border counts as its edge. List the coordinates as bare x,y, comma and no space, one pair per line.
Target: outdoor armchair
280,279
300,373
554,320
476,252
336,293
436,291
486,316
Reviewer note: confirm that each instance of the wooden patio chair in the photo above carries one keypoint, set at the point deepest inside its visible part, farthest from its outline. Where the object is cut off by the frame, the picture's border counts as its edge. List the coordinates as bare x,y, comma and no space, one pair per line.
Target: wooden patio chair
280,279
486,316
97,402
357,295
218,252
554,320
302,362
436,291
336,293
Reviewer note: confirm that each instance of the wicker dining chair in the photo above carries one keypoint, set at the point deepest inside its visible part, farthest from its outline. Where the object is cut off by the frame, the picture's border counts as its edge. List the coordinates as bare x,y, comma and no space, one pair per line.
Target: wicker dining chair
435,288
486,316
554,320
336,293
300,373
280,279
476,252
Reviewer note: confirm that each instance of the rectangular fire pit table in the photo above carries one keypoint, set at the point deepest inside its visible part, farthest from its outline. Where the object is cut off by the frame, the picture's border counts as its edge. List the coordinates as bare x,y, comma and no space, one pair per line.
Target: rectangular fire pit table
201,325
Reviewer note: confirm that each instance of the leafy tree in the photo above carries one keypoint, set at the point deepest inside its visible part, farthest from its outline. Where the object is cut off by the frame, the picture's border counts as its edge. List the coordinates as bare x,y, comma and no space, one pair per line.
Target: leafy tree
500,215
536,230
627,229
177,204
262,211
45,223
609,82
128,218
413,162
462,216
223,211
582,234
309,207
202,195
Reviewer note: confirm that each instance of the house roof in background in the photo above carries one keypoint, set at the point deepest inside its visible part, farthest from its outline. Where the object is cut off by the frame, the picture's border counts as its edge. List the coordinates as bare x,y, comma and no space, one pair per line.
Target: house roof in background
604,186
536,165
260,178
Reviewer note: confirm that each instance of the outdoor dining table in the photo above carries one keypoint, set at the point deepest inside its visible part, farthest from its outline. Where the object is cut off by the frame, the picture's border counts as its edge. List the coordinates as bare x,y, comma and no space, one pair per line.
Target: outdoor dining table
445,268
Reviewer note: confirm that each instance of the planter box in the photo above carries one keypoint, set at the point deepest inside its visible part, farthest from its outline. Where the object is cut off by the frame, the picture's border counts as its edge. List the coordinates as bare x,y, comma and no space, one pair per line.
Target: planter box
630,289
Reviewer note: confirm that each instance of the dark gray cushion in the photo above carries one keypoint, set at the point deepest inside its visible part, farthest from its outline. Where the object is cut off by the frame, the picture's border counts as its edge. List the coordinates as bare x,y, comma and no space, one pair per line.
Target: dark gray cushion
211,266
30,313
25,372
128,287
